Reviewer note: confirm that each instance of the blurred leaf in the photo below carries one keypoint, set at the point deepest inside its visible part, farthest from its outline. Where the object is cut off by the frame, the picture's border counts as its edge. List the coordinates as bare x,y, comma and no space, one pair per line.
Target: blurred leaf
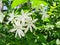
58,24
36,3
41,38
18,2
29,36
32,41
53,42
46,20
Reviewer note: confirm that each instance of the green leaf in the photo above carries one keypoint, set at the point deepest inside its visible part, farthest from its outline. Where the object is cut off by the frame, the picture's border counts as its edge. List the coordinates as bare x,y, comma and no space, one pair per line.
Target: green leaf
46,20
31,39
36,3
53,42
29,36
41,38
18,2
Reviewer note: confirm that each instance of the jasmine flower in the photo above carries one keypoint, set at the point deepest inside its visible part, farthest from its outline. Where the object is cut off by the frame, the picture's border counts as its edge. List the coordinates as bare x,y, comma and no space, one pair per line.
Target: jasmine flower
30,24
18,28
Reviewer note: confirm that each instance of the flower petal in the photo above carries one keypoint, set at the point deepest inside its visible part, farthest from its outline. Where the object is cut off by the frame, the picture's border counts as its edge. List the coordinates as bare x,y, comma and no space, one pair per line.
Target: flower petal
33,26
30,28
12,30
16,34
26,29
34,20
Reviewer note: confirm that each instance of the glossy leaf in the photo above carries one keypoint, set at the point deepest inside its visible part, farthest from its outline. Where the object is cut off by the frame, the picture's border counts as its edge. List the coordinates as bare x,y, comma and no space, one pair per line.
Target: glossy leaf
18,2
36,3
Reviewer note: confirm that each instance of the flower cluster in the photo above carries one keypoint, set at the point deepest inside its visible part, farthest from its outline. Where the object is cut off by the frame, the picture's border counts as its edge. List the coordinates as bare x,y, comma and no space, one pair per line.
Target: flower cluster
44,11
21,23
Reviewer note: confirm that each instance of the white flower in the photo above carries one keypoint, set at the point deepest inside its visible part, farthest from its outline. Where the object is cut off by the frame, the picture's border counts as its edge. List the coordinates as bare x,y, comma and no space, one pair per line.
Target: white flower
26,13
11,17
22,23
1,17
58,42
19,32
44,13
24,16
30,24
15,20
49,27
58,24
18,28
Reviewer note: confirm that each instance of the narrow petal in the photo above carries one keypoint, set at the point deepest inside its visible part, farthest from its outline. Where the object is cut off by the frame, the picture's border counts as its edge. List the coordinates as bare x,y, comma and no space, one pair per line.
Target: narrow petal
19,33
12,30
26,29
16,34
29,14
30,28
34,20
33,26
22,12
22,33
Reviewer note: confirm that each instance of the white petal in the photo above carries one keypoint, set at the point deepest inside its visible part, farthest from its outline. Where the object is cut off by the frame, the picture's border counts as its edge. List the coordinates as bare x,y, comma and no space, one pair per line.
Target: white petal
22,33
19,33
12,30
33,26
30,28
58,42
22,12
29,13
26,29
17,23
16,34
23,21
34,20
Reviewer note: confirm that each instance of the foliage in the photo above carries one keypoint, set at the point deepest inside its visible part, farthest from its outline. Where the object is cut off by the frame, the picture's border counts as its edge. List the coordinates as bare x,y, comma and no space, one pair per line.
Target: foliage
47,30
